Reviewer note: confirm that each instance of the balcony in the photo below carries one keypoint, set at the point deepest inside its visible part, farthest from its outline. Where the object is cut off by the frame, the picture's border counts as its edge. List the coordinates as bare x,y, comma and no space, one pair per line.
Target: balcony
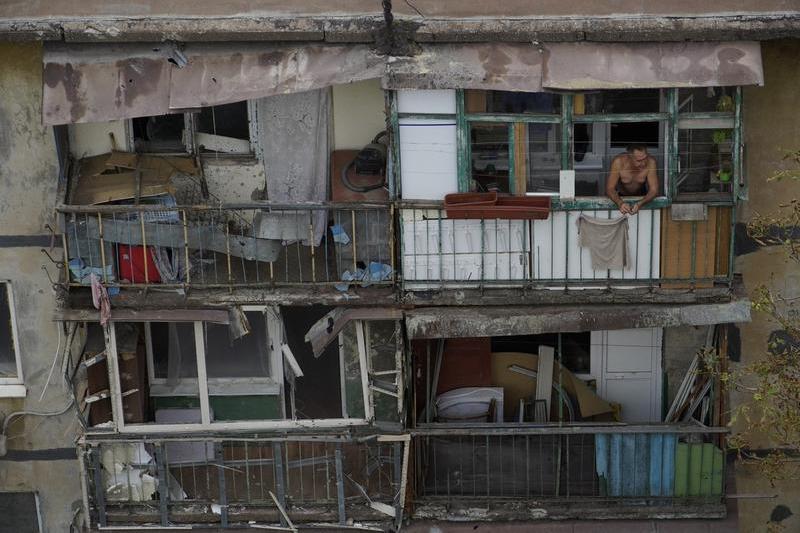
518,472
257,245
180,483
442,253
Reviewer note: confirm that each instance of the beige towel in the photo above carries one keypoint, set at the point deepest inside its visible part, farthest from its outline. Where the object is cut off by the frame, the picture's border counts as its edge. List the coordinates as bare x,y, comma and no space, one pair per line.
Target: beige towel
607,240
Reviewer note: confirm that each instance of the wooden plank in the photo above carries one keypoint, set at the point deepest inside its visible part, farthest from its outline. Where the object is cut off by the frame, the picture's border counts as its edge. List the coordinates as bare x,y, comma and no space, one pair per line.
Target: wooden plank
641,464
682,470
220,143
601,450
723,215
628,466
695,463
217,316
706,467
656,464
712,244
668,465
718,472
475,101
615,465
544,379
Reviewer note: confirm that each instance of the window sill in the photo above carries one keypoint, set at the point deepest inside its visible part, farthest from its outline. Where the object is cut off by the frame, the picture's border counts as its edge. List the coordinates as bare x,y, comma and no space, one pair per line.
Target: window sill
599,202
12,391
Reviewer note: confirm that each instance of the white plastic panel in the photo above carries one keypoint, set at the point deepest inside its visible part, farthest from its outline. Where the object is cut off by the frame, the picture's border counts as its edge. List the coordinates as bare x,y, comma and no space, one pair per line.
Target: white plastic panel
435,249
426,101
428,161
557,254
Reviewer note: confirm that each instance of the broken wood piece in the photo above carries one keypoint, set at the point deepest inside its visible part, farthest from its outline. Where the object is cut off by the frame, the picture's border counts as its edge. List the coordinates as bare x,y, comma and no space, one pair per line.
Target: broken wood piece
282,511
220,143
290,359
544,377
327,328
142,176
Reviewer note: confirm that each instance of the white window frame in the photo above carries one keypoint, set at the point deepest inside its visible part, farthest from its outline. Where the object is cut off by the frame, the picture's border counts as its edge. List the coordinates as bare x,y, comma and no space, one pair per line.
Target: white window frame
274,325
13,387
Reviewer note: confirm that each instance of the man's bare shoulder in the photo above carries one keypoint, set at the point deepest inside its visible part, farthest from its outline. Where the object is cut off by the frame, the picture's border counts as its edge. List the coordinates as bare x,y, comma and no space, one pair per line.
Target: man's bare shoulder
619,160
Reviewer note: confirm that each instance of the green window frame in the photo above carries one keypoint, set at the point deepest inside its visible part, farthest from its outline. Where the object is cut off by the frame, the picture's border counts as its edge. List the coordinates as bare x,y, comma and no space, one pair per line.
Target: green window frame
566,120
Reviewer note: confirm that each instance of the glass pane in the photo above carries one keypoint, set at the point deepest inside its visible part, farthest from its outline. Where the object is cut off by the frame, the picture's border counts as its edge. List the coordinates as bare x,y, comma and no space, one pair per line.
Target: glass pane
229,120
174,393
8,361
238,371
519,102
618,101
162,133
490,164
597,144
245,357
383,351
544,157
705,99
706,161
351,372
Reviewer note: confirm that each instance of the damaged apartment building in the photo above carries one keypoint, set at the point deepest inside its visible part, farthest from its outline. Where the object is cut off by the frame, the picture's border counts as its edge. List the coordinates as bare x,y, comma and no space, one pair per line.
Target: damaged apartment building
293,269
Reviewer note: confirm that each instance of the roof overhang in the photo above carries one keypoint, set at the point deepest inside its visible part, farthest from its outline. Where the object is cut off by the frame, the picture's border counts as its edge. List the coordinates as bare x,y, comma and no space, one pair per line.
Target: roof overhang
421,20
449,322
95,83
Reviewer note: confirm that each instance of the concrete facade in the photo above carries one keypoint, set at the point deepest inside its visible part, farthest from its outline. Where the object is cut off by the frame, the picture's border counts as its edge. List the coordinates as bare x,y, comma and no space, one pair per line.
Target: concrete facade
771,128
29,177
29,180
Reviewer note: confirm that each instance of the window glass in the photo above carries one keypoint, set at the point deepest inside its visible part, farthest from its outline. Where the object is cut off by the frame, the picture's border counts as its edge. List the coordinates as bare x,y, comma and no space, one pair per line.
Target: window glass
479,101
706,161
519,102
544,157
245,357
8,357
597,144
162,133
706,99
228,120
490,163
174,351
618,101
382,338
174,396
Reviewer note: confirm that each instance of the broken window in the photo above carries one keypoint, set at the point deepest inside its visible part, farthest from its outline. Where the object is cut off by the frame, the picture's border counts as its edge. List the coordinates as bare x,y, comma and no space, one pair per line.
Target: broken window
10,365
220,129
223,128
256,372
162,133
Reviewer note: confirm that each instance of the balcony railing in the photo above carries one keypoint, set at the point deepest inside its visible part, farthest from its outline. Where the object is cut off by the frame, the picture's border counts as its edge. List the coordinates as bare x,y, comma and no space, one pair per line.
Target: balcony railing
228,483
247,245
437,252
342,245
670,468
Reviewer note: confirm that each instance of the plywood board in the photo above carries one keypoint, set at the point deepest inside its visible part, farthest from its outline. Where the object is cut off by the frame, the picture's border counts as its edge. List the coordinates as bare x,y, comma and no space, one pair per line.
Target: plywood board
708,240
544,378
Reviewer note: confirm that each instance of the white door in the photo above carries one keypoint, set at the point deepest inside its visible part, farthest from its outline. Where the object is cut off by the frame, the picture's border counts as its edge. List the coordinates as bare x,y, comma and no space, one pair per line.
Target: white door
627,366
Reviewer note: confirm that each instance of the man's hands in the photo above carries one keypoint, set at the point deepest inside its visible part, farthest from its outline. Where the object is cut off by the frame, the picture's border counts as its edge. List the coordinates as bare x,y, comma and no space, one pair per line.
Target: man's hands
628,209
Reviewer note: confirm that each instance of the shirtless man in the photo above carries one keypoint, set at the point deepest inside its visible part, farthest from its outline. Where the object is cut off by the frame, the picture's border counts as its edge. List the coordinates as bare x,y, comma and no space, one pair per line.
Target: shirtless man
632,174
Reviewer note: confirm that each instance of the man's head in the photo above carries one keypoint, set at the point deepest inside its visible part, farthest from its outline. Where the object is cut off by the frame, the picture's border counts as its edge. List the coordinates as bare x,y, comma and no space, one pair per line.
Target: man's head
638,155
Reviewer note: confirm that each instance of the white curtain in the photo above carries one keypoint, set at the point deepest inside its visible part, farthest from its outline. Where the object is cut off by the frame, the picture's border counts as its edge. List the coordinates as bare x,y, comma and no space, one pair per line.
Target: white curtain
294,145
